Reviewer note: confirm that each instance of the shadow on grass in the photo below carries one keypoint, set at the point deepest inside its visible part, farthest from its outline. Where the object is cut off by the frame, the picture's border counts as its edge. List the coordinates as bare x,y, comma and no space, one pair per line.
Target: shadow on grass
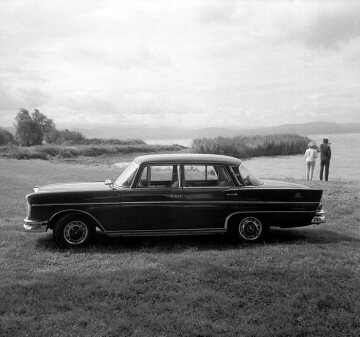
310,235
171,244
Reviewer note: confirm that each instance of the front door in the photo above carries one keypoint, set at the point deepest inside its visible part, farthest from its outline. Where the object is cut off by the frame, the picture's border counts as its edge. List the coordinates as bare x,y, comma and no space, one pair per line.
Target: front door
154,204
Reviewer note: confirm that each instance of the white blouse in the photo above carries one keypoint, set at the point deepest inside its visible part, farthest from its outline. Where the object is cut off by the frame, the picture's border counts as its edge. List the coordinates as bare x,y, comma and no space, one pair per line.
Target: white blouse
311,154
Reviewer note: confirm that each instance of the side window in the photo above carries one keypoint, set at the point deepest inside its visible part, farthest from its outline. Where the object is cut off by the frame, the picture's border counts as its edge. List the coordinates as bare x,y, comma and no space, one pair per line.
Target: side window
158,176
195,173
206,176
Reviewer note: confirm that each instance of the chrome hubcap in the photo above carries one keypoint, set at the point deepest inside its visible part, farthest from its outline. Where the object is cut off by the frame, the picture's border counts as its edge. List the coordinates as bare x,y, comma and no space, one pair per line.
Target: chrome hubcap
75,232
250,228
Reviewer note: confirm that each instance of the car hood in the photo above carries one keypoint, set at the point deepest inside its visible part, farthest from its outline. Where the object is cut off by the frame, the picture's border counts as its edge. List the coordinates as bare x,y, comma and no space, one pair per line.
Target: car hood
72,187
282,184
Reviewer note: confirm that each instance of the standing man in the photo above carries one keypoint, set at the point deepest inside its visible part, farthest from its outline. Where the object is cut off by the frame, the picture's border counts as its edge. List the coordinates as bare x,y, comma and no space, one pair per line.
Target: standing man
325,156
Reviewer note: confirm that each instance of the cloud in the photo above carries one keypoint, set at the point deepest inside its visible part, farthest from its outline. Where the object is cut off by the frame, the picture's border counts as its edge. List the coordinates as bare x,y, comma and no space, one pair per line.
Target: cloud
199,63
332,29
7,95
320,25
216,12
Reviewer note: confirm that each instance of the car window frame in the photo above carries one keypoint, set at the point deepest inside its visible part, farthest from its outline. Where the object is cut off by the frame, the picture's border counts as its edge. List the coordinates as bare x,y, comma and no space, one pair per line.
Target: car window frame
240,181
226,169
143,166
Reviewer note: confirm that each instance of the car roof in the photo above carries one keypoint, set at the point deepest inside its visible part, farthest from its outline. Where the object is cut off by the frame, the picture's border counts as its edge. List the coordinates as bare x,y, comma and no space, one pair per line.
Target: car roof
188,158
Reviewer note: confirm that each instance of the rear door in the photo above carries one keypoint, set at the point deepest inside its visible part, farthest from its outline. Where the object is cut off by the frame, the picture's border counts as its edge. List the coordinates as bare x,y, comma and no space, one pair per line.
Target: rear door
208,196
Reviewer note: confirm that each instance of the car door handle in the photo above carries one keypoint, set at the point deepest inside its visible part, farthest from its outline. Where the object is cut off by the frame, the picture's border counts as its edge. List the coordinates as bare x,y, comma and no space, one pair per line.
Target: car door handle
231,194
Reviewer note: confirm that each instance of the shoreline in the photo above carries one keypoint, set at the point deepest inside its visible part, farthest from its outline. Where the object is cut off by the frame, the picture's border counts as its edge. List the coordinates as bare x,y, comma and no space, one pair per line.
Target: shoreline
119,165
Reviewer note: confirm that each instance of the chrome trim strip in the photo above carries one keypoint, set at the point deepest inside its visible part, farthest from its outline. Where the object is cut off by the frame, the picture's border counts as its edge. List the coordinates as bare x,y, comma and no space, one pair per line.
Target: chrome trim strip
252,202
178,201
167,232
151,203
80,211
208,187
78,203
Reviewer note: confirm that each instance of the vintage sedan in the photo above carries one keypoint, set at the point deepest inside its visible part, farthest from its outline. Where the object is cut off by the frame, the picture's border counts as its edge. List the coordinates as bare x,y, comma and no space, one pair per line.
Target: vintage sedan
176,194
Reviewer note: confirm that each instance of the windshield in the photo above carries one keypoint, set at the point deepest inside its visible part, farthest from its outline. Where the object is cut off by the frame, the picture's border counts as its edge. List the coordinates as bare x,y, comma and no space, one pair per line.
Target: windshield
126,178
249,178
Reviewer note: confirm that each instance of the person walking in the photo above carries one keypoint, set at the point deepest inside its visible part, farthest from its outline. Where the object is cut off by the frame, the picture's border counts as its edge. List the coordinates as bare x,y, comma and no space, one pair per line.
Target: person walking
310,159
325,156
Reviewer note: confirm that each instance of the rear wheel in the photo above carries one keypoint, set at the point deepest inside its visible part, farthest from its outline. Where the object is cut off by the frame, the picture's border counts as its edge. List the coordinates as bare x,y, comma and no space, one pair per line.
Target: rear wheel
250,229
73,230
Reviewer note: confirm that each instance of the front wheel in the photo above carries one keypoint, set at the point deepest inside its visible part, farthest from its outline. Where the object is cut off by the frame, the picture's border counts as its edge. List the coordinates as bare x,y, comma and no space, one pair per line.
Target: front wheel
250,229
73,230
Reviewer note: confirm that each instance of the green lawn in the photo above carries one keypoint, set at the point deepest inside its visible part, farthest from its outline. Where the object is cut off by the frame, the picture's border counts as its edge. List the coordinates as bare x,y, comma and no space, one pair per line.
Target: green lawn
301,282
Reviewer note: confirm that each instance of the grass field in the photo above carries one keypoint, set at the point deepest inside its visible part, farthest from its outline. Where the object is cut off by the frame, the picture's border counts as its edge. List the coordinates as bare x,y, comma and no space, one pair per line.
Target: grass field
301,282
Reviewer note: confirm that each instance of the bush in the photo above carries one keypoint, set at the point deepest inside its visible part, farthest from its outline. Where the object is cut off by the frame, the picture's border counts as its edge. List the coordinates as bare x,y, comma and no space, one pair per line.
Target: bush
64,137
252,146
71,138
6,137
112,141
62,151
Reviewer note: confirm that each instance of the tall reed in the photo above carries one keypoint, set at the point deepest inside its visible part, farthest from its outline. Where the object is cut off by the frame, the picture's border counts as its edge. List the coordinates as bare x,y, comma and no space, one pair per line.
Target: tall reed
252,146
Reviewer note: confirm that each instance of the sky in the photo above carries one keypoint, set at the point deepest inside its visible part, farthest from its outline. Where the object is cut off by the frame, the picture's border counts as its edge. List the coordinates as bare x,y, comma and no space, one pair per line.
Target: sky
180,63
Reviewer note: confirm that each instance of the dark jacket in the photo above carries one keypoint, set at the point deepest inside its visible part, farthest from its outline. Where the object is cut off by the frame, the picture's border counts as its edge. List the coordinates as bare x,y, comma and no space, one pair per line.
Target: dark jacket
325,152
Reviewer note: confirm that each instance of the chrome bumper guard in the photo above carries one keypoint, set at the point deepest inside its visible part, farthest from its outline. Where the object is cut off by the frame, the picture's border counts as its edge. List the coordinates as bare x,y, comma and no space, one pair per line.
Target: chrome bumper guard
318,218
35,226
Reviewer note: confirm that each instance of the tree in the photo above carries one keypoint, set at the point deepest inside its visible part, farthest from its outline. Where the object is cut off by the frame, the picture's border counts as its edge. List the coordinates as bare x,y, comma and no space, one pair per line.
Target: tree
27,132
30,130
52,137
46,124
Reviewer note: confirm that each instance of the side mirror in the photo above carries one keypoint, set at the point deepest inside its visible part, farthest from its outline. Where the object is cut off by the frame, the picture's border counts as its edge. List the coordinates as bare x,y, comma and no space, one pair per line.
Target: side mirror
109,182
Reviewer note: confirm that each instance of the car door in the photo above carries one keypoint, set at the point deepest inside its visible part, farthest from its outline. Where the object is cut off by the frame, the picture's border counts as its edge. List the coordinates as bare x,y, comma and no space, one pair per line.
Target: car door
154,204
208,196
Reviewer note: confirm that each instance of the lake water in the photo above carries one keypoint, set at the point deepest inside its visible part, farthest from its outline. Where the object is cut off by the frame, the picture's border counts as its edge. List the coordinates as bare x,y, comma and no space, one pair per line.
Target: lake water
345,159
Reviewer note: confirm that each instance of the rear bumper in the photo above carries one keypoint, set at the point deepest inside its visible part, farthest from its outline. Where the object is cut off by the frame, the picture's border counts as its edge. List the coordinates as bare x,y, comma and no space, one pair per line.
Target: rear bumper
34,226
318,218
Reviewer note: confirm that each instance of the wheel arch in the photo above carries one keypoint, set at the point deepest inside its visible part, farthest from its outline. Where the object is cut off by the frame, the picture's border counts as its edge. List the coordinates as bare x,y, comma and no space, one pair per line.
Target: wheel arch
231,219
62,213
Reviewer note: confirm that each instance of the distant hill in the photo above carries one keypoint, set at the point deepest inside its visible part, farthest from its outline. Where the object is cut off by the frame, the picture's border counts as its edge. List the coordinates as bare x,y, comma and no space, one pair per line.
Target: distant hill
190,133
317,128
164,133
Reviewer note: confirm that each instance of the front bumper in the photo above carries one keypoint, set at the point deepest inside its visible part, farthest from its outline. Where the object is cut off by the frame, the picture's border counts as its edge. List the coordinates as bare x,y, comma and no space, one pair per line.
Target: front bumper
34,226
318,218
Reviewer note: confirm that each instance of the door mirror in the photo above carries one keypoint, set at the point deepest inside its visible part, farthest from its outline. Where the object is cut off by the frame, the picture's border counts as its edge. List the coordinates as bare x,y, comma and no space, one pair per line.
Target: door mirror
109,182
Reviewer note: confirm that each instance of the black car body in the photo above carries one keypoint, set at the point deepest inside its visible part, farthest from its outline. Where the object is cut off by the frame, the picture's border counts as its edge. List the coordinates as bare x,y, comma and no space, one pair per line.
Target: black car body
182,194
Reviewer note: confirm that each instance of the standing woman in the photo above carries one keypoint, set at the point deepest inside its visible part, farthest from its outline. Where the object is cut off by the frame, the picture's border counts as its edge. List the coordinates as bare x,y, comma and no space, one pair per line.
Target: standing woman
310,159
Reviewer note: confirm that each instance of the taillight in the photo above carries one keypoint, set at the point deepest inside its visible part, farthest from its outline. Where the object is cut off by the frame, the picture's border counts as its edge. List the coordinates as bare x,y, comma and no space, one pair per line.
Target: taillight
28,207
